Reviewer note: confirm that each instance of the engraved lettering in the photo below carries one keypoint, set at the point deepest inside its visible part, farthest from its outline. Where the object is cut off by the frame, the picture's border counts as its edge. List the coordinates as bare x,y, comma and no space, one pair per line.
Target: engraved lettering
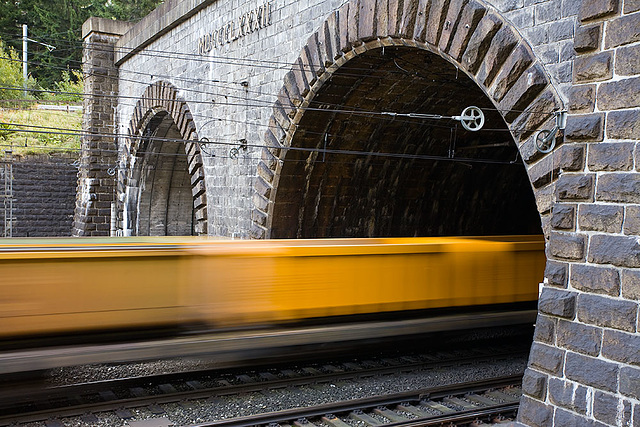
249,22
260,17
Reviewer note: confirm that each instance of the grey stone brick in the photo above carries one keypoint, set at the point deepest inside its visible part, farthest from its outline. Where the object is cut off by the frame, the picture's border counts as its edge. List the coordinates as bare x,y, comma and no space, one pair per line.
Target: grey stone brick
562,72
535,413
561,30
587,127
534,384
541,172
630,383
604,218
588,38
575,187
630,281
621,347
556,302
623,30
632,220
568,395
563,217
556,273
617,250
568,53
593,68
546,358
627,60
624,124
545,198
610,409
600,280
567,246
507,5
523,17
565,418
629,7
607,312
582,99
545,331
592,372
592,9
610,157
538,35
579,338
570,158
547,12
570,8
619,94
618,187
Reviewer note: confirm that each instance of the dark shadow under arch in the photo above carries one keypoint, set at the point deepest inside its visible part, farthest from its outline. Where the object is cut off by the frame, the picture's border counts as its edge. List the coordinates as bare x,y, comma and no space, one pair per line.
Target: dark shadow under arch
471,36
161,186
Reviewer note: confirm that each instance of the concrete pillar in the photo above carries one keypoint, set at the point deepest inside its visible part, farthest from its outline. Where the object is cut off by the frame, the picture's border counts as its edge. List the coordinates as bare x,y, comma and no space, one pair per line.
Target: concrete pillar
96,180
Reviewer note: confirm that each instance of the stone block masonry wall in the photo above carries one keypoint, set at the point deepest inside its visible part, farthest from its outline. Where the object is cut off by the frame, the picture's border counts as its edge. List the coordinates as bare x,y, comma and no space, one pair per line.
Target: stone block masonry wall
584,367
96,187
549,26
231,99
44,189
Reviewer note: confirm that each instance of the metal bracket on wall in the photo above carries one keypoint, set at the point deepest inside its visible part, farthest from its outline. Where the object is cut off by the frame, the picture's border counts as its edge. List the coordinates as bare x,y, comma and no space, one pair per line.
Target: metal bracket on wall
546,139
235,151
202,143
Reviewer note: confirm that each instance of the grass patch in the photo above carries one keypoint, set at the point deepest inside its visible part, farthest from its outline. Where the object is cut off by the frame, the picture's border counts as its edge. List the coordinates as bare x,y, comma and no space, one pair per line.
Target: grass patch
43,139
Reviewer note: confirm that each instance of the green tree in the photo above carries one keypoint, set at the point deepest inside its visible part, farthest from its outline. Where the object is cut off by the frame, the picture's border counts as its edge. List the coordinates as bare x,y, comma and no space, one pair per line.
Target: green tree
10,72
59,23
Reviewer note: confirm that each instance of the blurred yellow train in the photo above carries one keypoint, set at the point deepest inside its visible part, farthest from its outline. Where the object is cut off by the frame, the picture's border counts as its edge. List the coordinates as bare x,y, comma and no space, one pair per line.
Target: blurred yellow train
66,286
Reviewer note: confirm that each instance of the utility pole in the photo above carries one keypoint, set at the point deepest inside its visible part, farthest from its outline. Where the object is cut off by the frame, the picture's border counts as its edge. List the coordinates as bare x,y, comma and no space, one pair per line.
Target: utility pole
24,59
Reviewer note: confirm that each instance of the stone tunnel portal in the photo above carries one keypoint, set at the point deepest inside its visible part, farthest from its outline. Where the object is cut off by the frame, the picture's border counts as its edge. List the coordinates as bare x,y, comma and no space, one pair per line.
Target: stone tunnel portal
162,201
438,179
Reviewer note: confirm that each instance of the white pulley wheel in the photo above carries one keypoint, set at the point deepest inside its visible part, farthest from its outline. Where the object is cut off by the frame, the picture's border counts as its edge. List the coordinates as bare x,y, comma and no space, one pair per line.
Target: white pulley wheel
544,143
472,118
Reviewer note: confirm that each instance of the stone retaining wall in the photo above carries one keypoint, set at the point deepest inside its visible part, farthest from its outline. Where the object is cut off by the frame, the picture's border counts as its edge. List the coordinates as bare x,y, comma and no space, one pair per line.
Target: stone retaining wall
44,192
584,364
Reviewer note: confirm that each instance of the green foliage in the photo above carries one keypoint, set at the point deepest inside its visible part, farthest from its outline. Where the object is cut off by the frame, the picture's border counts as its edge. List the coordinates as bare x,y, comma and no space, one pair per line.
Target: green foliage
5,131
28,142
59,23
10,72
72,84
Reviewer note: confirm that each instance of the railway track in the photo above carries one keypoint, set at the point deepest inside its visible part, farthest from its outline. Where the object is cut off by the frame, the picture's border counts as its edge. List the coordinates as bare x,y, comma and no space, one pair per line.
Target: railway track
128,399
476,402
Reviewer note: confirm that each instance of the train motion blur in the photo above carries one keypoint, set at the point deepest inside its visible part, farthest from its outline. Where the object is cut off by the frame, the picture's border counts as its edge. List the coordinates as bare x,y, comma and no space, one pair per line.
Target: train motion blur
71,286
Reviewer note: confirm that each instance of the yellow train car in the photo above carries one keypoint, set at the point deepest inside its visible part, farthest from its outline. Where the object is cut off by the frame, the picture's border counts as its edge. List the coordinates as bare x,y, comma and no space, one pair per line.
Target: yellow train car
67,286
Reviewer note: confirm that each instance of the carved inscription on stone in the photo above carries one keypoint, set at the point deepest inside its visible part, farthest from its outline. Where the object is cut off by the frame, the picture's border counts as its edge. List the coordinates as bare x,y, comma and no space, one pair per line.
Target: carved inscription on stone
247,23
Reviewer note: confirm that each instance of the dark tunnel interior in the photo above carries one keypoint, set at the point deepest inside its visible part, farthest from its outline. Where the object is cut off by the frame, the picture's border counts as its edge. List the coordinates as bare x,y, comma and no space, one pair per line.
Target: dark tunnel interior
435,178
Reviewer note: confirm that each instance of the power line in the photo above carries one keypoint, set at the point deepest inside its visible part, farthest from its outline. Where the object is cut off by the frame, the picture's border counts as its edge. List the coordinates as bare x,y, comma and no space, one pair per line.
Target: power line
235,144
214,93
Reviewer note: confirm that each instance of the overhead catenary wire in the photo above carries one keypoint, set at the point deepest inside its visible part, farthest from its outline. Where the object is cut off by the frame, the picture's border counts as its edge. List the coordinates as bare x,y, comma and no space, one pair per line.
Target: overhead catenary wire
302,66
253,145
382,114
216,84
242,98
268,103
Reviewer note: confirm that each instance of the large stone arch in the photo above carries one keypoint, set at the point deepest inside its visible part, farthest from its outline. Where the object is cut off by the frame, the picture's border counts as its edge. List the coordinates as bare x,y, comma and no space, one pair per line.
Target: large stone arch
472,35
161,108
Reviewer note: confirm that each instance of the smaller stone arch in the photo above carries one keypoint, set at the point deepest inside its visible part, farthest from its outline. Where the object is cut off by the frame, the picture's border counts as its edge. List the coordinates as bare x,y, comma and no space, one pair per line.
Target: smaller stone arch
471,35
160,109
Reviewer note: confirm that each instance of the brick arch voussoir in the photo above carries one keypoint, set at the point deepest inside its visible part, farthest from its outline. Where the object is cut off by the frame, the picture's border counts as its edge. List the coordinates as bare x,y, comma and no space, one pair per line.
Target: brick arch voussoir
163,96
471,35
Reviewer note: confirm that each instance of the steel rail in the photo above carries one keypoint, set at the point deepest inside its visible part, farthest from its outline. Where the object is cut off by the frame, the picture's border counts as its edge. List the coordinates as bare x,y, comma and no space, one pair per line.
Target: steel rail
108,385
384,400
